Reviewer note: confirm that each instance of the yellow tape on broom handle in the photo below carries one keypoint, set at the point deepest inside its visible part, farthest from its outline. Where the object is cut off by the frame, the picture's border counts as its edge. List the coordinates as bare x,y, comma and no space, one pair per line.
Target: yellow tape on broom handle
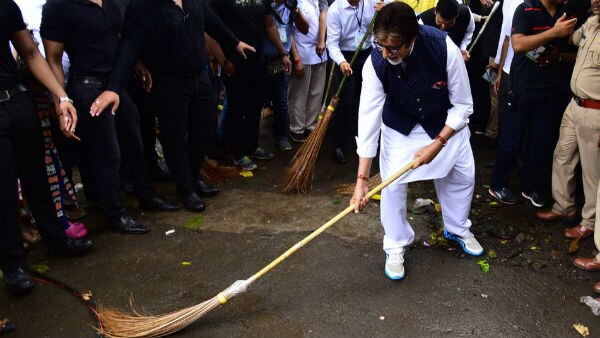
327,225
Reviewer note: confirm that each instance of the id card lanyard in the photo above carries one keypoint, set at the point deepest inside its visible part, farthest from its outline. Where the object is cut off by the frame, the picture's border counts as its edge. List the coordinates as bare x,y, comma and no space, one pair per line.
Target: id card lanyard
359,33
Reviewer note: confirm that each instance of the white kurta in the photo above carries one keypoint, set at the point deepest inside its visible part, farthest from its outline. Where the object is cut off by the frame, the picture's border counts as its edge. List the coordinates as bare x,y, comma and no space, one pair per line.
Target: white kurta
453,169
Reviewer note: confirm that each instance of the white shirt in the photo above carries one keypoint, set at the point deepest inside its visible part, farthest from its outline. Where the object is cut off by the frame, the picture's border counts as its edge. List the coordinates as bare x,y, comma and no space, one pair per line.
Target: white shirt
468,33
373,97
307,44
343,31
508,11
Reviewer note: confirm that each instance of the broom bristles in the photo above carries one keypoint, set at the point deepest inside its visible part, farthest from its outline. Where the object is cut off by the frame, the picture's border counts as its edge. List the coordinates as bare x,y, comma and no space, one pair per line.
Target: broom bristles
301,170
118,324
347,189
213,172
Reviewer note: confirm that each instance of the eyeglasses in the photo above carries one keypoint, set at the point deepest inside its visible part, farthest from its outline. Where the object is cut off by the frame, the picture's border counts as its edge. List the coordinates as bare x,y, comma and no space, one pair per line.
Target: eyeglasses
391,50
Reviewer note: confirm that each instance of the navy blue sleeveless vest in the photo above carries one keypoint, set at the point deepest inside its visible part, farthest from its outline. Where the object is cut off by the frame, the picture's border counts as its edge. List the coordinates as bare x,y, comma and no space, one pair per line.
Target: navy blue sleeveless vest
418,94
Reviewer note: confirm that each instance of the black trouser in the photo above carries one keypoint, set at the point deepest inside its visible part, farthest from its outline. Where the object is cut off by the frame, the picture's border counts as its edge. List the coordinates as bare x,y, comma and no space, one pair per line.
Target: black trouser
148,112
22,154
187,118
345,116
245,97
98,154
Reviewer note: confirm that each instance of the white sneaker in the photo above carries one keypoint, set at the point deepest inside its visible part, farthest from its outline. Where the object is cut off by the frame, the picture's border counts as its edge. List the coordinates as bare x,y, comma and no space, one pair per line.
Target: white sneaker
394,266
469,244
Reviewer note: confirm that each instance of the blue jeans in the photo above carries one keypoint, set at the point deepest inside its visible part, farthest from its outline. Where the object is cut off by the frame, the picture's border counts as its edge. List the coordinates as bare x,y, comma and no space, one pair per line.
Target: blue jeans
277,88
538,112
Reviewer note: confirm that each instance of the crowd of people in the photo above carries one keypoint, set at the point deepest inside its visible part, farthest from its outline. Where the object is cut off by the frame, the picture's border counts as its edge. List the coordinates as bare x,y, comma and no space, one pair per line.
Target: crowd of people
87,84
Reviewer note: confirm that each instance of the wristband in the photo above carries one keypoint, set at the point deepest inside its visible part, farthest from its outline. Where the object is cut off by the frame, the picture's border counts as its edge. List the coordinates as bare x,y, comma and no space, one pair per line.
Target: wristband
362,177
65,99
442,140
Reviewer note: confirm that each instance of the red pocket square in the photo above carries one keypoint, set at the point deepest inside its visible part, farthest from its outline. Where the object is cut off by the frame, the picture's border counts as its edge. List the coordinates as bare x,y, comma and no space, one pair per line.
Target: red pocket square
439,85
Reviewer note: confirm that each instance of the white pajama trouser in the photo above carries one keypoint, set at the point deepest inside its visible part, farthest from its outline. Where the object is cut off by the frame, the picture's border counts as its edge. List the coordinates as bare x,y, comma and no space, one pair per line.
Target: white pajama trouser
453,172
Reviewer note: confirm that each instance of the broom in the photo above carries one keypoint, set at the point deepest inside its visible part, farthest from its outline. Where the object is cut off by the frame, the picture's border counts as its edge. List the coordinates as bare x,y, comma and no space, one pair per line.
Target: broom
300,171
212,171
117,324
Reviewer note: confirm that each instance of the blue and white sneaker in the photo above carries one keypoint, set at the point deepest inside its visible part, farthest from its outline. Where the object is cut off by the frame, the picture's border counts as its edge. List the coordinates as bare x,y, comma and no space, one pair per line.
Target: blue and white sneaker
394,266
469,244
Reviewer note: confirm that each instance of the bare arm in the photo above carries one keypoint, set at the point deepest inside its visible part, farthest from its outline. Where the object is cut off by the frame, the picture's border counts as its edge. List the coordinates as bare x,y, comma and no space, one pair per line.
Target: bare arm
524,43
54,53
38,66
273,36
322,30
300,22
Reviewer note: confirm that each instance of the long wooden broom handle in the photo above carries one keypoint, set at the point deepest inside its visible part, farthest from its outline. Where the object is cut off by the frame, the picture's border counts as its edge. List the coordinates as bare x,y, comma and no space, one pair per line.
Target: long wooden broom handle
326,226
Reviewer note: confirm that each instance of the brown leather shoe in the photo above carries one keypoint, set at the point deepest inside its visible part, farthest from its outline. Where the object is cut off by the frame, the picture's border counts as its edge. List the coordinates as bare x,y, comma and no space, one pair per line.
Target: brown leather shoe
597,287
585,263
578,231
549,215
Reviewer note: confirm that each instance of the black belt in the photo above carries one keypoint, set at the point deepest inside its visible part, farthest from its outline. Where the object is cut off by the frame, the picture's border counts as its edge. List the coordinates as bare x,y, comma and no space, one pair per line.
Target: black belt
8,94
88,80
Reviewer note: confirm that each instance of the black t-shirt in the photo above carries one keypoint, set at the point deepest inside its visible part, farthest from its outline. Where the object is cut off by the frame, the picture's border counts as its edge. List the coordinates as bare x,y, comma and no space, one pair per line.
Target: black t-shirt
11,20
245,20
531,18
90,33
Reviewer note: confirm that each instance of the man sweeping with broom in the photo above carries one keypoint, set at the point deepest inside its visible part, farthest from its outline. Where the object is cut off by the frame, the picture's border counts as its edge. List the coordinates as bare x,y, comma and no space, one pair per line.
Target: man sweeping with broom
416,93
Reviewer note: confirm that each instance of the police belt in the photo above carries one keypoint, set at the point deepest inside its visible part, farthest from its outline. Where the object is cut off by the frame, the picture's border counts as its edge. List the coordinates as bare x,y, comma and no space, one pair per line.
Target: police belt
587,103
7,94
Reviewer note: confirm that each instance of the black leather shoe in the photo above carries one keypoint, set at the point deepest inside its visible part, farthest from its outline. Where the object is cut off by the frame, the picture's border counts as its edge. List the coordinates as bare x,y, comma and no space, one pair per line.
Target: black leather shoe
193,203
157,203
205,189
128,225
70,247
338,156
17,281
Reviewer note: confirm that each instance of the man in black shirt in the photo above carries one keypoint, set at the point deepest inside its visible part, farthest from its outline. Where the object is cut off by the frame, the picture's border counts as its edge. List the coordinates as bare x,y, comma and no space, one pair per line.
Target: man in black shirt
540,31
22,151
251,21
89,32
168,37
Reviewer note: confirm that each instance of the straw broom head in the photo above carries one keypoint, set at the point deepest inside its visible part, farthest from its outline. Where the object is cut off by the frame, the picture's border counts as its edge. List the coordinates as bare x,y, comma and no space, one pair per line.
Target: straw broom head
300,172
117,324
347,189
212,171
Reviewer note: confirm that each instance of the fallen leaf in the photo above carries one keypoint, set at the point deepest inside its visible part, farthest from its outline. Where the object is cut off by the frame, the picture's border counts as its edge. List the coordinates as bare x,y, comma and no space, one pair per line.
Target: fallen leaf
186,263
574,245
583,331
246,173
376,197
195,222
534,248
438,207
484,265
493,203
41,267
336,202
492,254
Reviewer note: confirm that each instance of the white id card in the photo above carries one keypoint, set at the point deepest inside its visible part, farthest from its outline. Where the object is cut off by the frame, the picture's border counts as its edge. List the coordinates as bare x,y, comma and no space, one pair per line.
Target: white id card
358,36
283,34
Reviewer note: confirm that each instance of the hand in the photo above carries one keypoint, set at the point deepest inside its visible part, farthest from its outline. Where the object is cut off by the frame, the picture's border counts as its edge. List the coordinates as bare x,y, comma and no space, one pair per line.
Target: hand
287,64
320,49
379,5
359,199
67,119
345,68
465,54
427,154
228,68
102,102
242,47
563,27
298,69
144,74
493,66
497,83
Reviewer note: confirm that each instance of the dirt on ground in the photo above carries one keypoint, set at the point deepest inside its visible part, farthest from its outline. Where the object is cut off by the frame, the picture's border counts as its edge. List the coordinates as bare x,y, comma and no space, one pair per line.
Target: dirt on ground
525,285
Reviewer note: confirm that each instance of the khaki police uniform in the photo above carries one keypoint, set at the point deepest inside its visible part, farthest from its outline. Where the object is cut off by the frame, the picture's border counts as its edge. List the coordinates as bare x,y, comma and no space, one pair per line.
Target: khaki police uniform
580,129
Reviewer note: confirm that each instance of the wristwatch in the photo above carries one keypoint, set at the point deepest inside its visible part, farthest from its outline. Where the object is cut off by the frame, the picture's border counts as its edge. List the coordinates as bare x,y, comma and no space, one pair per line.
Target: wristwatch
64,99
